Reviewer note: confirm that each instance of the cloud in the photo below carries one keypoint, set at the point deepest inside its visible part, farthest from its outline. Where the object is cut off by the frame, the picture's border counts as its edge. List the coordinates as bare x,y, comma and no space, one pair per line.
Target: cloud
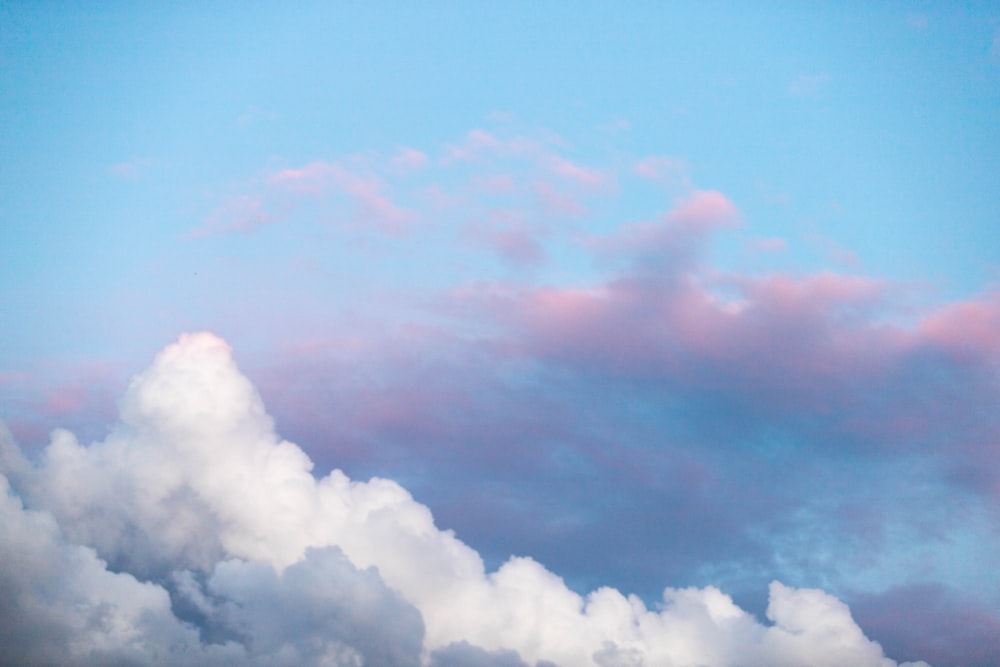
557,203
540,156
768,244
396,195
132,169
243,214
927,619
967,328
584,176
320,610
835,252
222,547
674,244
475,143
410,158
667,171
59,604
463,654
510,237
273,197
254,115
373,206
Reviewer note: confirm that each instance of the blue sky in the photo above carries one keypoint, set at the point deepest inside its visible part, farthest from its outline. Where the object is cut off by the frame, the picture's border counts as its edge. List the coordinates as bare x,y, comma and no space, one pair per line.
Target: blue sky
686,294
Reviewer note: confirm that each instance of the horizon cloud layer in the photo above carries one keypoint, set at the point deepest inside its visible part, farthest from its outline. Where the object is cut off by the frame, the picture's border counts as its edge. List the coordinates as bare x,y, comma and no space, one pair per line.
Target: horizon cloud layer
194,532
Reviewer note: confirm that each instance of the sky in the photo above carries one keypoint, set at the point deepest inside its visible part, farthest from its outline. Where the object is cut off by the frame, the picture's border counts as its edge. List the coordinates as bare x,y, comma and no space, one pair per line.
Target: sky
500,334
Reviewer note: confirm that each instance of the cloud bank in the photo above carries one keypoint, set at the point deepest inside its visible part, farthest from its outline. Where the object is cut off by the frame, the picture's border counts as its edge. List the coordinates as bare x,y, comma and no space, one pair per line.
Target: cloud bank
194,534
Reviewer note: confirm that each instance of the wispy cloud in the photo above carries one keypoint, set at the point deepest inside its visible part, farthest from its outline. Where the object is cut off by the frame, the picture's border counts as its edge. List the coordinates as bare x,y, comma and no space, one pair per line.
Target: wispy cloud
667,171
254,115
131,170
410,158
768,244
480,175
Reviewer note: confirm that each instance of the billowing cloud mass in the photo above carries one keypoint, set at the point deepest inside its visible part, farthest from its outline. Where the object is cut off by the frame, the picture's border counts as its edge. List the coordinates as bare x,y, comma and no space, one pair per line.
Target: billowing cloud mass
193,534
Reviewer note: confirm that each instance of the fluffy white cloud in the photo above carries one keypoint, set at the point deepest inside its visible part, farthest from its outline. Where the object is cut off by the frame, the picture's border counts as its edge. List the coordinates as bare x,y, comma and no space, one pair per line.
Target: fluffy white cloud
59,604
221,545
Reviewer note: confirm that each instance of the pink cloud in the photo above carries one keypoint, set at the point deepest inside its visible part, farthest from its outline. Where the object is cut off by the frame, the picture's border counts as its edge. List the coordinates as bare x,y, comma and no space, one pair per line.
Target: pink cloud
820,290
564,168
705,209
768,244
674,243
311,179
79,396
969,328
244,213
518,246
132,169
439,199
410,158
282,191
475,143
559,203
64,401
494,183
482,138
12,378
835,251
367,192
780,347
667,171
374,206
930,622
786,338
510,237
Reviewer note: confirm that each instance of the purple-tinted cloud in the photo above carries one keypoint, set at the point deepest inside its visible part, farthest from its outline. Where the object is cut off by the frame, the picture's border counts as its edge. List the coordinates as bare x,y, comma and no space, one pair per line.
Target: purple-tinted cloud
225,548
510,237
716,426
768,245
730,409
932,622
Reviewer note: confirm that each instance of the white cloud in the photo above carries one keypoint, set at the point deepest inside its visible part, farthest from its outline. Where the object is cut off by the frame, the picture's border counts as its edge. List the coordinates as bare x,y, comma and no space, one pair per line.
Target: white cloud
59,604
223,545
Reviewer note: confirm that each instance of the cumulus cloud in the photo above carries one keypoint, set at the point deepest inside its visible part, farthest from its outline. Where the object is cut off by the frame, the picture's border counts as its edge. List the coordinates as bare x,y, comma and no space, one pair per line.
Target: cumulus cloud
193,533
59,604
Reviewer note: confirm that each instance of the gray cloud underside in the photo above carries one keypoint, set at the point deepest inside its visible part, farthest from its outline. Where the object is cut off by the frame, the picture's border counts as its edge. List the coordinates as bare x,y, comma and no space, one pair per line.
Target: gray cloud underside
193,534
